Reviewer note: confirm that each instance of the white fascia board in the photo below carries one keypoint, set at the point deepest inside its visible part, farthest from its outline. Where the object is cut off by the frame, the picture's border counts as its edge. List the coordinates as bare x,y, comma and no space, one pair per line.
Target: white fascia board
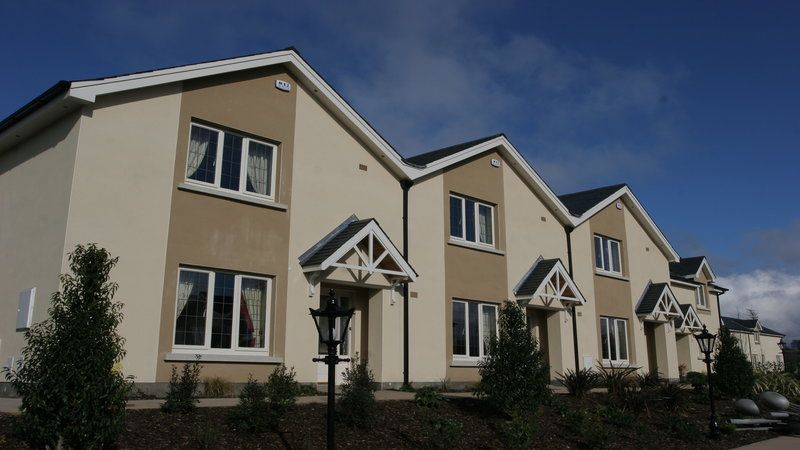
558,267
45,115
705,264
87,91
508,150
641,213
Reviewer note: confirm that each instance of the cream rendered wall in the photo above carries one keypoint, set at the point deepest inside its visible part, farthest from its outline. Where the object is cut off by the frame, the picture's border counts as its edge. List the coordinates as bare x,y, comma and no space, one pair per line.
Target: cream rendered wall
685,296
427,312
647,263
327,187
583,275
120,199
35,180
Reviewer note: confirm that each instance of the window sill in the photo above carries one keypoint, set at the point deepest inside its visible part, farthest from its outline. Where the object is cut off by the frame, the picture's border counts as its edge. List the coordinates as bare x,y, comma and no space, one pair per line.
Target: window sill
612,275
232,196
466,362
223,357
618,365
476,247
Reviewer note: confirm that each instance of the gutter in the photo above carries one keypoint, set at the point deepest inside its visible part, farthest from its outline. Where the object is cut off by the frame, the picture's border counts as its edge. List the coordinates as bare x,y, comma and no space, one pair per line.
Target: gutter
406,186
568,230
31,107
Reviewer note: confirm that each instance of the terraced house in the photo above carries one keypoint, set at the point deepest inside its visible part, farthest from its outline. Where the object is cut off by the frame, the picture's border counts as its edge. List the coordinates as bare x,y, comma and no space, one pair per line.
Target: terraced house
237,193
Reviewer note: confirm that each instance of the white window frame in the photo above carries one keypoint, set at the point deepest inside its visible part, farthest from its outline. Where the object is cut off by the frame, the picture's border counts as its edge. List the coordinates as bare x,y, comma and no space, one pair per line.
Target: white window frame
217,184
477,240
466,357
606,241
237,292
700,297
618,361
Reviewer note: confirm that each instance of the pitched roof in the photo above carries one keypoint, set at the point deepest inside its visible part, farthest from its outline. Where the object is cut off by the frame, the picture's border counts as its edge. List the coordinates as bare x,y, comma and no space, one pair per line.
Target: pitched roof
747,326
536,277
686,267
684,309
650,298
426,158
323,249
580,202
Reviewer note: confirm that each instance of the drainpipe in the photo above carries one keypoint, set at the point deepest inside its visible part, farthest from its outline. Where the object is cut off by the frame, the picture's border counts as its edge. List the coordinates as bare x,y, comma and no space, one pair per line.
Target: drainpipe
405,185
568,230
719,313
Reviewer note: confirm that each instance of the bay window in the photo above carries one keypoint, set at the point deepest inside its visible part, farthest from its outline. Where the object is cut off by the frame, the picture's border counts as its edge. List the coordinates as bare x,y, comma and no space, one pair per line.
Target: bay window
473,326
614,340
221,311
226,160
607,255
471,221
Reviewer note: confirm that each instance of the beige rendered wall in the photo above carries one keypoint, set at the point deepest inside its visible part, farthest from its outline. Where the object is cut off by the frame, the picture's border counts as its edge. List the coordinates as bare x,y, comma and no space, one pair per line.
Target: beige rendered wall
428,310
328,187
588,315
120,200
35,181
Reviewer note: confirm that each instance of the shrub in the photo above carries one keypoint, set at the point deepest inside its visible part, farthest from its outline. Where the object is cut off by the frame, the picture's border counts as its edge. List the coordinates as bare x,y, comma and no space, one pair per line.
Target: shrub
777,381
518,432
357,403
683,429
73,393
698,380
428,397
514,375
182,391
733,374
443,432
632,398
581,382
282,390
208,437
672,395
682,367
253,412
216,387
307,390
617,417
616,379
648,380
595,436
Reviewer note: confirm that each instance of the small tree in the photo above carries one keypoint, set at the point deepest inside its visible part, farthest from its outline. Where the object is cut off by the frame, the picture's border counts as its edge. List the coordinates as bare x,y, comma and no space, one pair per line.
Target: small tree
72,394
356,406
733,374
514,376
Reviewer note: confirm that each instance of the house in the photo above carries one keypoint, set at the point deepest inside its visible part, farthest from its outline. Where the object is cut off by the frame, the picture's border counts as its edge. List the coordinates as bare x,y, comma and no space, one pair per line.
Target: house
759,343
238,192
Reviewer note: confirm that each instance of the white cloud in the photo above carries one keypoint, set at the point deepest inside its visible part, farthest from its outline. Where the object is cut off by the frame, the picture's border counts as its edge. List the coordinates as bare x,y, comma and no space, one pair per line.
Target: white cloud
775,295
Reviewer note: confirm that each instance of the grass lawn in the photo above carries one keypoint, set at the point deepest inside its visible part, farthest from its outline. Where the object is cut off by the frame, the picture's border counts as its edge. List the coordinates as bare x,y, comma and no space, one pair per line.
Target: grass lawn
567,423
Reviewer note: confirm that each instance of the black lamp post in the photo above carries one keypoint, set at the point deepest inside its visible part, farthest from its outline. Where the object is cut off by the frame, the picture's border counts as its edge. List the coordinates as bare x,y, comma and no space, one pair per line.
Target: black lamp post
332,323
706,342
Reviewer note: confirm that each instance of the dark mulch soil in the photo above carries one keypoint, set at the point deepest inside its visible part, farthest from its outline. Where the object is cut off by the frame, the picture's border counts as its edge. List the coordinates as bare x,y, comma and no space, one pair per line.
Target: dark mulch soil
401,424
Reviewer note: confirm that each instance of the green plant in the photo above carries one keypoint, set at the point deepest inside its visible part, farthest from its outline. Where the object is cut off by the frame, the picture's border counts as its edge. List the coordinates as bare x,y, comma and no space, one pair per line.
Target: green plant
253,412
182,393
356,407
698,380
73,392
726,427
208,437
581,382
282,390
683,429
595,436
616,379
771,379
307,390
428,397
682,367
617,417
514,375
518,432
733,374
648,380
633,398
216,387
444,384
672,395
443,432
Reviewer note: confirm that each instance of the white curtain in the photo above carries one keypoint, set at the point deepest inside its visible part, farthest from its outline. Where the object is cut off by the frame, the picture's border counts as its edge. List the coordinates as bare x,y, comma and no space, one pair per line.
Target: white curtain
197,153
253,303
489,325
185,288
259,168
484,224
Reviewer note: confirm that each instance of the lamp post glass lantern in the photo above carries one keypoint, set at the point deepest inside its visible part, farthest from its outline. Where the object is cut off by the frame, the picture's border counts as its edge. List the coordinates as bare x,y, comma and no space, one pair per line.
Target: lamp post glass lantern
332,323
705,341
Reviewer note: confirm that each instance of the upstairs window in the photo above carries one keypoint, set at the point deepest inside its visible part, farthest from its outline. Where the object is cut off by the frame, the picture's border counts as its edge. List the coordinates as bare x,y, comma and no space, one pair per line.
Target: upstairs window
607,255
471,221
700,296
229,161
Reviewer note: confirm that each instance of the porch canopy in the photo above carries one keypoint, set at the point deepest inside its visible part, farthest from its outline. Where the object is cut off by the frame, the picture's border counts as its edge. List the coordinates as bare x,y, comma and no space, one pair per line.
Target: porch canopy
547,284
658,304
360,247
689,322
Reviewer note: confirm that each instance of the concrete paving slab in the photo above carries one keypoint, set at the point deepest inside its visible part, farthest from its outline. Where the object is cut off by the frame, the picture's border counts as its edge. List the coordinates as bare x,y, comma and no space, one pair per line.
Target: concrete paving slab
778,443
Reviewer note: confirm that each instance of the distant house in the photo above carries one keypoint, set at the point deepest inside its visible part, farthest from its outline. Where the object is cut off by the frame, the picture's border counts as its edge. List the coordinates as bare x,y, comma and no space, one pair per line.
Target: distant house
758,342
237,192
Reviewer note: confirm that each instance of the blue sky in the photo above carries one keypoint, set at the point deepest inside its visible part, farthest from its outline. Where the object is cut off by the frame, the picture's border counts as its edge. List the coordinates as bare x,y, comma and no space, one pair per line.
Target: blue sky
696,106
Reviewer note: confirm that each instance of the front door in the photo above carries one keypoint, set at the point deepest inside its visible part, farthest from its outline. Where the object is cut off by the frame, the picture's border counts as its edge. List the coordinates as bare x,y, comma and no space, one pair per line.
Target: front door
346,348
